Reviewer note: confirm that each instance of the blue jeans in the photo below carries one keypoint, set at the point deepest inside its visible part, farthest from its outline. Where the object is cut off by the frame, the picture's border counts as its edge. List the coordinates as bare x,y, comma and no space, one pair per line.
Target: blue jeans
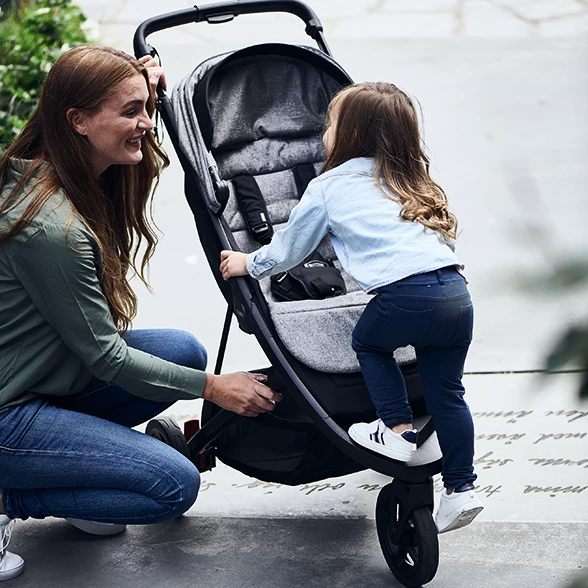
432,312
77,457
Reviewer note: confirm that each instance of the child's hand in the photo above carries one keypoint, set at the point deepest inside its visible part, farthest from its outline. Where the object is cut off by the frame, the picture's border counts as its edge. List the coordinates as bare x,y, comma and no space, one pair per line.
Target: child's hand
233,263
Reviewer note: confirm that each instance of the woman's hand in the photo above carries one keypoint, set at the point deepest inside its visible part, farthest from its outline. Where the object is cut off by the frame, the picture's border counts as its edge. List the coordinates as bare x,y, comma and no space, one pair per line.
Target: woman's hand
155,73
233,263
243,393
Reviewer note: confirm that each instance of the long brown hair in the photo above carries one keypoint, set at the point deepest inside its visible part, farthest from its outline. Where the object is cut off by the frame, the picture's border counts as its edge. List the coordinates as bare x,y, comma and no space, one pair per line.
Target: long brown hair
376,119
113,206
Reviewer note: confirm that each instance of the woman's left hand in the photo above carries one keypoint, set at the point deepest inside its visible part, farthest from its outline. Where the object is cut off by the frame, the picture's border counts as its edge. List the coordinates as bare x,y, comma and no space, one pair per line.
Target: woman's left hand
155,72
233,263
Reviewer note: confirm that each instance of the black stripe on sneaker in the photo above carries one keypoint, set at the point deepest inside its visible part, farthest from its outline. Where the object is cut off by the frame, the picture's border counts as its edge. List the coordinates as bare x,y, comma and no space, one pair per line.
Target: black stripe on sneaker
377,437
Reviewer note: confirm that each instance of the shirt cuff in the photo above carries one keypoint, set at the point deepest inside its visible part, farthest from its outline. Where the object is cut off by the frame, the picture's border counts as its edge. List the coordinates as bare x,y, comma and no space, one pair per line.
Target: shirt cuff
258,270
193,385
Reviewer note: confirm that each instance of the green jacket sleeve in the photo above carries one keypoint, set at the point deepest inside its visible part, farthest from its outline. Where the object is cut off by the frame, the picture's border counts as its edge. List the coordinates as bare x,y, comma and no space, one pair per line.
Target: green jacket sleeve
59,269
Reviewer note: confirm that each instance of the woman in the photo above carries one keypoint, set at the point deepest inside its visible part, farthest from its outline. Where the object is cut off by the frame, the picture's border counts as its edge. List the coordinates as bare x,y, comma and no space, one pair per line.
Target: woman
74,190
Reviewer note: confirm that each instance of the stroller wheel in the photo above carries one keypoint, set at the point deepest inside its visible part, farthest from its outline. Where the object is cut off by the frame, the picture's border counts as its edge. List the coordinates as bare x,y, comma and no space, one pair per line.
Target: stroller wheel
168,431
413,557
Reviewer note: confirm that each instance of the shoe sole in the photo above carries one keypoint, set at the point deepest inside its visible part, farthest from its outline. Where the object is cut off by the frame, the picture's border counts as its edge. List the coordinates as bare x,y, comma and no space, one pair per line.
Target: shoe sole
98,529
463,519
13,573
381,449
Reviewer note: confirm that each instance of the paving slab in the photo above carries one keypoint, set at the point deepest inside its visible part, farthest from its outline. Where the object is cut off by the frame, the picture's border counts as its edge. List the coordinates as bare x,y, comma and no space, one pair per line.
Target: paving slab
548,9
486,20
534,17
202,552
421,6
565,27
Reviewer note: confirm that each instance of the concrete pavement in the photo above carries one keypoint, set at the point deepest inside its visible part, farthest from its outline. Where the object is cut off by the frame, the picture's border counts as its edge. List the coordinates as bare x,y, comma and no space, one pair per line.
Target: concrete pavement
367,19
503,87
203,552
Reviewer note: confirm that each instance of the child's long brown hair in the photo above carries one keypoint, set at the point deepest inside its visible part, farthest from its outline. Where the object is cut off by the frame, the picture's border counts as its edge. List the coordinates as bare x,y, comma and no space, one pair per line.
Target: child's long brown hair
113,206
378,120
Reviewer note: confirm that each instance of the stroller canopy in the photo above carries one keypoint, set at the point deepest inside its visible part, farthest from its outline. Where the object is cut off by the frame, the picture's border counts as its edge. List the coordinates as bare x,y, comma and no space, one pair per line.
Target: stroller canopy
260,112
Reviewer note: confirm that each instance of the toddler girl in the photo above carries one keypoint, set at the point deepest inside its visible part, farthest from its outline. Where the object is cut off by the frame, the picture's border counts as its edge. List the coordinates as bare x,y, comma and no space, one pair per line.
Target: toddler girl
392,231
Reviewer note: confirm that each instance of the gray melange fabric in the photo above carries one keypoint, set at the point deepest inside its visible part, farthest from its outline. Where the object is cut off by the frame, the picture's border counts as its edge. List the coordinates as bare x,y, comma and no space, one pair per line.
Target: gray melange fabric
318,332
270,155
276,97
280,195
267,116
189,135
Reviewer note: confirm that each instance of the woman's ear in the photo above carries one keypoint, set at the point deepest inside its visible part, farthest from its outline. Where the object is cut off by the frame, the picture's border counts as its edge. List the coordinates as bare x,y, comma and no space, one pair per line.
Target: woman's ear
77,119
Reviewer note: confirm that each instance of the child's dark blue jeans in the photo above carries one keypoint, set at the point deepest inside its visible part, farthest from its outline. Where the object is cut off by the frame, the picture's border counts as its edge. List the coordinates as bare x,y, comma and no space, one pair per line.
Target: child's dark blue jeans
432,312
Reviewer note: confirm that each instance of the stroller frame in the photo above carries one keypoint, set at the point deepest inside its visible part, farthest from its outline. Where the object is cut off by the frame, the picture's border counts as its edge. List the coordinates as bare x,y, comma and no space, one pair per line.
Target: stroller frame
406,531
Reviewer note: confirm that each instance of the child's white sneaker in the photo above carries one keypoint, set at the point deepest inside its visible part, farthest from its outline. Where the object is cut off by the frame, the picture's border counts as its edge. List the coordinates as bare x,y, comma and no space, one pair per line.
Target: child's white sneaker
458,509
381,439
428,452
11,565
97,527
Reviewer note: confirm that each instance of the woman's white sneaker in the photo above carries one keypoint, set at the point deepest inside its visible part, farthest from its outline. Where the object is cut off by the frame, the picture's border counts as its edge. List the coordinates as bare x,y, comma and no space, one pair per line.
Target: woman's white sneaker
458,509
378,437
11,565
97,527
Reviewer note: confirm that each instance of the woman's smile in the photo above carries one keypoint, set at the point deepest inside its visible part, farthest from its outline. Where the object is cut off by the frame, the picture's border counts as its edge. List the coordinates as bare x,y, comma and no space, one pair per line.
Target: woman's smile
115,131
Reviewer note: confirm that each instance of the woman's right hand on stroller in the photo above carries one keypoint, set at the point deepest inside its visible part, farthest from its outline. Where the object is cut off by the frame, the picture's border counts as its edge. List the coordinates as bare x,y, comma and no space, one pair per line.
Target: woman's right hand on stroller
242,392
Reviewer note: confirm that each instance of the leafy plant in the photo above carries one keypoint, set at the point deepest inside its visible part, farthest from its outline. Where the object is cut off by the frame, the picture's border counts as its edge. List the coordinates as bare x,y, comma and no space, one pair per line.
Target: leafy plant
33,34
572,347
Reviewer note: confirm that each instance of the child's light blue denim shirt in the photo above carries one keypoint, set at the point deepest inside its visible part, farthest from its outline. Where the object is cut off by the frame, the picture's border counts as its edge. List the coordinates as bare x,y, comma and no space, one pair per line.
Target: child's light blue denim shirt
374,245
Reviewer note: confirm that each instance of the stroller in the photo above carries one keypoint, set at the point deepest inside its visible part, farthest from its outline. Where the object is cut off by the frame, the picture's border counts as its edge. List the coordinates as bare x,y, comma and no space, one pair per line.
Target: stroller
253,117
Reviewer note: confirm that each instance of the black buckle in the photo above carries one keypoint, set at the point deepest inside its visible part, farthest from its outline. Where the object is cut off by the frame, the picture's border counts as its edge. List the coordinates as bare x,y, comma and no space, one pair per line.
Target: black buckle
260,229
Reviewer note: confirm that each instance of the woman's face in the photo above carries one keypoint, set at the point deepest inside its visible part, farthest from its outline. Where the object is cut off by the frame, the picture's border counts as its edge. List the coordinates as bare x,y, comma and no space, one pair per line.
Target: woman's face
115,130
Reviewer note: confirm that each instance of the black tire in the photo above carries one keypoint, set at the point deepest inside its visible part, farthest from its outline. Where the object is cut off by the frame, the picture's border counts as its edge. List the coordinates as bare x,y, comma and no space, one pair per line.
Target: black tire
169,432
415,558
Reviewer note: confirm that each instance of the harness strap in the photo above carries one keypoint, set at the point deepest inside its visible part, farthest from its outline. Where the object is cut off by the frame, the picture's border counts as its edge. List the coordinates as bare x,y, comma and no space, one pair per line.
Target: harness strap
303,174
253,208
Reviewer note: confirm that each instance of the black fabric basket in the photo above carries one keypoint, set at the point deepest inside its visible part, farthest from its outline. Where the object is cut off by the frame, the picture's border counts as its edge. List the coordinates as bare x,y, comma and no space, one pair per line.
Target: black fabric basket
273,450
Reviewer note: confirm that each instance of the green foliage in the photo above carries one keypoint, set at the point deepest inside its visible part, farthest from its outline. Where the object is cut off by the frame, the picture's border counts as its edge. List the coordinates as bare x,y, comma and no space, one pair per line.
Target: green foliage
572,347
32,36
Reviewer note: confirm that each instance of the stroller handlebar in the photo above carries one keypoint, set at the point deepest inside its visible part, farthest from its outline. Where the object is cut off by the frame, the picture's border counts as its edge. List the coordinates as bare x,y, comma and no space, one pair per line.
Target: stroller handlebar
224,12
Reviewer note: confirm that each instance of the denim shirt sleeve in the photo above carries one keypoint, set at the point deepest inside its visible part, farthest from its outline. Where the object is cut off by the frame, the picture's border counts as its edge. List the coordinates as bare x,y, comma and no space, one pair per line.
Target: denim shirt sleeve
307,225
